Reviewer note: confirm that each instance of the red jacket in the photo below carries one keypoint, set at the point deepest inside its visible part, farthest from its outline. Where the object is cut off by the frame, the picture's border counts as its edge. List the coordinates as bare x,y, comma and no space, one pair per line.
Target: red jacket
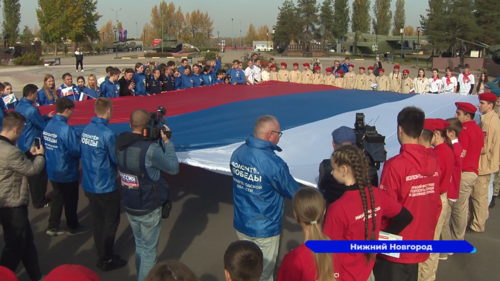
412,178
446,164
454,188
472,140
345,220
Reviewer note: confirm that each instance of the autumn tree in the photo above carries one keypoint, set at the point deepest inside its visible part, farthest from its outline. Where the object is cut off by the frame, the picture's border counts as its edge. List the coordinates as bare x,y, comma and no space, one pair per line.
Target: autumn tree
409,31
326,20
26,37
341,18
251,35
383,14
361,16
107,33
11,20
36,32
262,32
399,18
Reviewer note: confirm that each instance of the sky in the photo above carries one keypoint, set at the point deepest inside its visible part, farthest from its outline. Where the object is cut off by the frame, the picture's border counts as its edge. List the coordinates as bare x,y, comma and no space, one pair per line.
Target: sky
258,12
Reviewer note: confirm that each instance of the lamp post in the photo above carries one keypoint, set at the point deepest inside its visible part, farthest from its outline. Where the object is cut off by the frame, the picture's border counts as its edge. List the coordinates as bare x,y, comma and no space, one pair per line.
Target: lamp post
240,33
232,32
193,36
208,38
218,39
161,11
136,30
267,42
418,42
116,13
402,33
116,48
144,37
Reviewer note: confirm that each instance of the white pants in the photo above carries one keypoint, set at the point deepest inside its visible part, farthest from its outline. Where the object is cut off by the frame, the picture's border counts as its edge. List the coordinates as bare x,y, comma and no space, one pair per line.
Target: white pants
269,247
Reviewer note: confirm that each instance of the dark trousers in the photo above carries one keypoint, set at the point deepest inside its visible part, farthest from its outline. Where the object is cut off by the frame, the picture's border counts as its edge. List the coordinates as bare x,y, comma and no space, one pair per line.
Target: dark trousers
105,211
79,62
19,244
65,196
38,185
391,271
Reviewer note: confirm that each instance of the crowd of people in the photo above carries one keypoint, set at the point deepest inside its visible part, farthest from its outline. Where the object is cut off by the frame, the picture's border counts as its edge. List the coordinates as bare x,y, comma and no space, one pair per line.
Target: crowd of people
441,183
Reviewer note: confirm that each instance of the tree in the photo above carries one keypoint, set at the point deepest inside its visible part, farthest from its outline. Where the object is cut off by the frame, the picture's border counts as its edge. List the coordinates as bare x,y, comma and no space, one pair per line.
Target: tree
488,21
409,31
341,18
90,17
326,19
107,33
434,24
288,28
361,16
11,20
399,18
251,35
262,32
27,36
462,23
201,24
36,32
382,20
308,15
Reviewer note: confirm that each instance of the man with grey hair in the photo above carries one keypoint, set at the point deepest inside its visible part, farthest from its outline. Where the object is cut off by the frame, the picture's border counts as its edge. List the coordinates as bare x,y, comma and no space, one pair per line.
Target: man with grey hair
261,181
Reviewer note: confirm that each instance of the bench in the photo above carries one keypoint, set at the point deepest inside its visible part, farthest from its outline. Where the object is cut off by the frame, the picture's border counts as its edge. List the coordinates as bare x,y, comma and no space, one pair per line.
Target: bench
51,62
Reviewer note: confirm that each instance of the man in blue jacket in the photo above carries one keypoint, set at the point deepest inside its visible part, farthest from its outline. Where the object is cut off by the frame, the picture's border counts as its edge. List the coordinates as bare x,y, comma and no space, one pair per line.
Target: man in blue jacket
35,123
99,183
62,151
68,89
345,65
111,87
140,80
237,75
261,181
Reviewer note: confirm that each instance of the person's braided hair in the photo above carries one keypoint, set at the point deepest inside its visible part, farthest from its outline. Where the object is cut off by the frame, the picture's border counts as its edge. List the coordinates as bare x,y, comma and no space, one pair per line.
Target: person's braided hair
353,157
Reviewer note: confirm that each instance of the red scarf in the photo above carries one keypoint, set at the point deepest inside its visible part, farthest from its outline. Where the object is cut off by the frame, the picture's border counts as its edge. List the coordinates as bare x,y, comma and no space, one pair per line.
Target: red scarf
436,78
466,77
448,79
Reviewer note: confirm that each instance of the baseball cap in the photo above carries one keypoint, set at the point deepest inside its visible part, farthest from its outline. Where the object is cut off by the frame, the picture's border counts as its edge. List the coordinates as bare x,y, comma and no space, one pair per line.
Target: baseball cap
343,134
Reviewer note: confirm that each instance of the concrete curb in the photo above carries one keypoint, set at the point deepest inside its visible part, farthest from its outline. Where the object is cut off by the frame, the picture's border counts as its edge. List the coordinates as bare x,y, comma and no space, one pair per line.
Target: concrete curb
142,58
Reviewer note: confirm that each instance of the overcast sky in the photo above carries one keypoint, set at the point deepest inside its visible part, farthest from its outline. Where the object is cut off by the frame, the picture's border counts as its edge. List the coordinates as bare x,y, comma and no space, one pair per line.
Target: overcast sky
258,12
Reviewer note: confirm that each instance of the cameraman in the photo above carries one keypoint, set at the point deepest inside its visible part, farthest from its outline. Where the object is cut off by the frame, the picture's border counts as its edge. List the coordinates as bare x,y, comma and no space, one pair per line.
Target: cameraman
144,190
331,189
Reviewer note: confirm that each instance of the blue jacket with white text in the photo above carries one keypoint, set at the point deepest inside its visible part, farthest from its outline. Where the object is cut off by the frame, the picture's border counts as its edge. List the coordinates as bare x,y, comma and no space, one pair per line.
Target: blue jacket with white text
35,123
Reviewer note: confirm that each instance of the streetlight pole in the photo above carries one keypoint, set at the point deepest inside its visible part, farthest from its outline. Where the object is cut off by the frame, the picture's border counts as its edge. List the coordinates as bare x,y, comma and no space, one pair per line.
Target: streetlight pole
136,30
240,33
193,37
144,37
116,13
208,38
218,39
418,42
402,33
161,11
232,32
267,42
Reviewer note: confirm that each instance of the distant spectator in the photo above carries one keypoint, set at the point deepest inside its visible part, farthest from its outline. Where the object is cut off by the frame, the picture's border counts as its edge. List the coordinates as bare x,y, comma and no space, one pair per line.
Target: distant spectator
345,65
377,66
171,271
47,95
79,59
243,260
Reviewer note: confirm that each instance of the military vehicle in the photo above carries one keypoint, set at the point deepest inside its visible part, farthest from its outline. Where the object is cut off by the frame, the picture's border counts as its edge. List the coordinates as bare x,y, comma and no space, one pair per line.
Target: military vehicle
493,50
366,43
128,46
169,44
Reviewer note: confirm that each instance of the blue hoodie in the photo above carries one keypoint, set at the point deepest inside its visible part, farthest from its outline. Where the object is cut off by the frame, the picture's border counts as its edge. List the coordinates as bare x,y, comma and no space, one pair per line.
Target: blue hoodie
62,150
218,81
110,89
197,80
344,67
35,123
207,79
99,163
42,98
177,83
140,84
186,81
237,76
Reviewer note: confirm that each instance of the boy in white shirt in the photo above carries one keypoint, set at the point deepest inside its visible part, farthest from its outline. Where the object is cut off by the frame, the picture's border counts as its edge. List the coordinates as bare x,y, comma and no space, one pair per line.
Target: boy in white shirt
466,81
449,82
249,73
265,72
257,72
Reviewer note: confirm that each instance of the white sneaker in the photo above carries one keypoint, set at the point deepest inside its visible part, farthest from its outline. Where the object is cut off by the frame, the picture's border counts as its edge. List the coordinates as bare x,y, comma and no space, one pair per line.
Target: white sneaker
83,70
77,70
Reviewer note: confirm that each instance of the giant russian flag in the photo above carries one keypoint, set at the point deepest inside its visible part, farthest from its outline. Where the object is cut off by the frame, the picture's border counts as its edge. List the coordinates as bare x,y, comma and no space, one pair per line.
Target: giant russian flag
209,123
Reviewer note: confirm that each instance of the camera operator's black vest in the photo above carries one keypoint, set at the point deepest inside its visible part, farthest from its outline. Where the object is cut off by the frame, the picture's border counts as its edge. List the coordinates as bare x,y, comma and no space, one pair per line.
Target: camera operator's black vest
141,194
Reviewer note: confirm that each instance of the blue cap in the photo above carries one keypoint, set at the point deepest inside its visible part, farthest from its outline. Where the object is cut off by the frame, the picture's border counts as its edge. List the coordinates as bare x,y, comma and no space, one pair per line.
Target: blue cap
343,134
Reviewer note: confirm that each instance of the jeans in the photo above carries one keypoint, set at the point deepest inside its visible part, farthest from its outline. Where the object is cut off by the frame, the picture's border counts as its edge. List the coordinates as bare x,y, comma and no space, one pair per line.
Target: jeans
65,196
146,231
79,62
19,245
38,185
269,247
105,211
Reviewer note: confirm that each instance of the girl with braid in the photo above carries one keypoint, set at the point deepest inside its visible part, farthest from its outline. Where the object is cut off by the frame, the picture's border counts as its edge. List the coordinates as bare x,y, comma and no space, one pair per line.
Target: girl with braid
301,264
351,216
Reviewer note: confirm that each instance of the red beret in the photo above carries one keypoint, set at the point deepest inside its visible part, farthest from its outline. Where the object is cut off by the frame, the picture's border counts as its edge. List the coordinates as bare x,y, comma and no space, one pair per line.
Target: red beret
488,97
341,71
381,70
284,64
406,71
295,64
317,67
441,124
328,69
429,124
265,64
305,64
370,67
396,66
351,65
465,106
361,68
72,272
273,66
7,275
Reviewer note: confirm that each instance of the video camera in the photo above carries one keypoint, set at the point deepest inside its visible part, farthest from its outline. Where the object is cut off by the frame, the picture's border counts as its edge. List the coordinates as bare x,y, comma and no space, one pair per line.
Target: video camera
368,139
153,130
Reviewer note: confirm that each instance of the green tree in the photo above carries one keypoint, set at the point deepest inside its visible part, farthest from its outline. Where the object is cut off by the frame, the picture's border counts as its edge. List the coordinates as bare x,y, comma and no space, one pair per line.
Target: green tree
11,20
288,28
308,15
434,24
488,21
383,14
341,18
91,16
326,20
361,16
399,18
27,36
462,23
